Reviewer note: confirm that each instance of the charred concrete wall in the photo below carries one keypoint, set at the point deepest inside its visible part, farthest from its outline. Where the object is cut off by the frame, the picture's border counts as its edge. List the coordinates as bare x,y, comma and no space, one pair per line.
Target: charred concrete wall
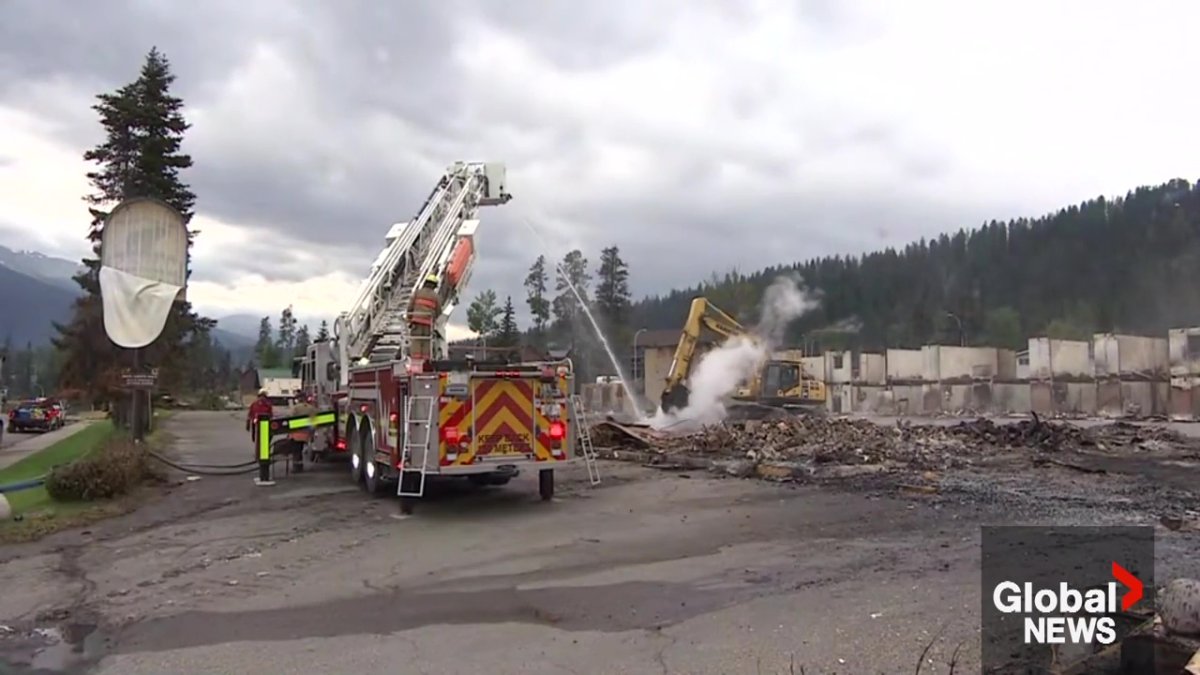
946,363
872,370
906,365
839,367
1060,360
1131,357
1183,353
607,399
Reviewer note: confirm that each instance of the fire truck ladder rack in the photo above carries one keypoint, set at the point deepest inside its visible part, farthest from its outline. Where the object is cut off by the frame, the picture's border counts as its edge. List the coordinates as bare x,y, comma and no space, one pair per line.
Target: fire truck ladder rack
376,327
585,439
417,434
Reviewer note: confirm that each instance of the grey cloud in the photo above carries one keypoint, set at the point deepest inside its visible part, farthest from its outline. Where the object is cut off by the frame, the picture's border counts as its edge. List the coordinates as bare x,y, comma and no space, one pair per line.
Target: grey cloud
389,68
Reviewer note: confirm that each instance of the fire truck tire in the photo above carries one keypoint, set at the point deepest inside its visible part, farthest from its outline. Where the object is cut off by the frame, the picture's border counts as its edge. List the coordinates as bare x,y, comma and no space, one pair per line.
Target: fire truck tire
374,479
356,457
546,484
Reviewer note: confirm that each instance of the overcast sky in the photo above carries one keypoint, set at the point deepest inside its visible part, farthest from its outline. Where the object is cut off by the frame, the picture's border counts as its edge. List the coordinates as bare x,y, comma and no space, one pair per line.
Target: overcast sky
695,135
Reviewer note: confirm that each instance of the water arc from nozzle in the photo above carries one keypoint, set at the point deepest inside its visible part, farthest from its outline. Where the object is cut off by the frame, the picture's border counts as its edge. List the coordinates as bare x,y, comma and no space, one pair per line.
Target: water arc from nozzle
612,357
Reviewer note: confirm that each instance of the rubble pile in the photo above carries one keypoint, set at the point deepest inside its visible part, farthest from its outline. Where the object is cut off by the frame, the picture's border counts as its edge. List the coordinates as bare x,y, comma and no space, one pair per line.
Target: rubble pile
1045,436
823,440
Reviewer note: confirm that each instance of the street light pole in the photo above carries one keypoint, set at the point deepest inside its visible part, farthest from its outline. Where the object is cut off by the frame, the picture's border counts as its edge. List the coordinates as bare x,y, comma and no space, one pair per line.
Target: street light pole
635,354
962,338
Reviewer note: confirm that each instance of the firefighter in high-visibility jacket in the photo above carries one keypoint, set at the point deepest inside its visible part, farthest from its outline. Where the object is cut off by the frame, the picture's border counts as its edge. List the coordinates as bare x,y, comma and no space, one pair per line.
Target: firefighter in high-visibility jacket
422,312
298,439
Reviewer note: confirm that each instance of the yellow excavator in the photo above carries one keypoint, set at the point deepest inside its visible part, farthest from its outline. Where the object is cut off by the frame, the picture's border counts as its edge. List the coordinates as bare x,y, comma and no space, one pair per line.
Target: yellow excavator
779,383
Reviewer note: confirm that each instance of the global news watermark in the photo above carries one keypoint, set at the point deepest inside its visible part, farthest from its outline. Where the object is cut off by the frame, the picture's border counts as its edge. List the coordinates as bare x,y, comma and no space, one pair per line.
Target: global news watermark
1066,614
1046,589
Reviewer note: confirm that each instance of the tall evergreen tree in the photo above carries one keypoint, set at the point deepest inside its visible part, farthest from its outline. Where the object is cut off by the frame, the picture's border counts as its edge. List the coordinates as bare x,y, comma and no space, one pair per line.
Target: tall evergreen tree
287,333
323,331
265,349
535,288
302,341
508,333
140,157
572,272
612,288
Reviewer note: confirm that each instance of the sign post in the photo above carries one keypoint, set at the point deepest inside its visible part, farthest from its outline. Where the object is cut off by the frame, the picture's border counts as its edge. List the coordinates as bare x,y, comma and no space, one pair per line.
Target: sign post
143,273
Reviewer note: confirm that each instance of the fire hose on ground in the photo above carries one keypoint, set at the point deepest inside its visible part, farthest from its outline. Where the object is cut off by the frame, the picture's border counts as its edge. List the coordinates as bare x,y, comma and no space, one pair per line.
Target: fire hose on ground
239,469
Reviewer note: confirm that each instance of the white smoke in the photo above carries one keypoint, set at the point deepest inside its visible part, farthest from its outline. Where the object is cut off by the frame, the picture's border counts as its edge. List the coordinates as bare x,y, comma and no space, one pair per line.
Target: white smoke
720,372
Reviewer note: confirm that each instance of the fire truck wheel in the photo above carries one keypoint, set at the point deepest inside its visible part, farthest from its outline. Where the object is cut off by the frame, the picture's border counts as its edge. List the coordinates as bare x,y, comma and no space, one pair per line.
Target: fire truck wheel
374,479
356,457
546,484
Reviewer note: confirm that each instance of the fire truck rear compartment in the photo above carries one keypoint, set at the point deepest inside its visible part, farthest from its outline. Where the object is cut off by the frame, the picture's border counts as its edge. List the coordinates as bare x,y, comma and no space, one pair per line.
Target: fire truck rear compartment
498,424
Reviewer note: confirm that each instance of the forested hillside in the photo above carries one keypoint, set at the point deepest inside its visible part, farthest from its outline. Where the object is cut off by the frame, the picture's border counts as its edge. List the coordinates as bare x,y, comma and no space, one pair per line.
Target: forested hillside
1130,264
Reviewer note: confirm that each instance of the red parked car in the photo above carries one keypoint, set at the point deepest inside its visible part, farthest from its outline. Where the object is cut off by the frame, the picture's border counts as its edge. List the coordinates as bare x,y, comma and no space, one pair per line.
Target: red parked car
41,414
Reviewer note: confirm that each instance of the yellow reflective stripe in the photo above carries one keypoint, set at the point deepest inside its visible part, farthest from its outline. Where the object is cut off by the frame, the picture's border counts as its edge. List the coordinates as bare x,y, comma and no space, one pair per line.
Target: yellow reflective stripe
320,420
264,440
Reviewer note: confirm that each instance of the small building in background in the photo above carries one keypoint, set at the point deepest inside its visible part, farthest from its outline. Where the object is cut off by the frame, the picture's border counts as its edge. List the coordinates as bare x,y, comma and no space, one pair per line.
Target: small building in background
280,384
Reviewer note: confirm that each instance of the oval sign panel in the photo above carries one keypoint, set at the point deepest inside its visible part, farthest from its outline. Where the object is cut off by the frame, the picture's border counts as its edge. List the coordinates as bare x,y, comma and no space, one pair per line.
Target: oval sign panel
146,238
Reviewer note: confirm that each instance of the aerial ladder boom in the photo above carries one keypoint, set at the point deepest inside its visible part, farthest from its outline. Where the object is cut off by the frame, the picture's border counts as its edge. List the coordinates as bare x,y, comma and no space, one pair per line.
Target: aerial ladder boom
375,328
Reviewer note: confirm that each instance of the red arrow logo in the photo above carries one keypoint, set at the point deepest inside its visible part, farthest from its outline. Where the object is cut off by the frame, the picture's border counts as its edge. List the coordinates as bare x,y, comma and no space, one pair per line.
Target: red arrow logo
1128,581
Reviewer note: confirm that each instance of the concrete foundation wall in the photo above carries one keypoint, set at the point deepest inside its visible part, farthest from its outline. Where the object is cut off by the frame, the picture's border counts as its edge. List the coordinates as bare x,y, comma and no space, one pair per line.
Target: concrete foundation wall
839,367
1130,356
1006,364
1055,359
943,362
872,369
1182,359
1011,397
606,399
904,364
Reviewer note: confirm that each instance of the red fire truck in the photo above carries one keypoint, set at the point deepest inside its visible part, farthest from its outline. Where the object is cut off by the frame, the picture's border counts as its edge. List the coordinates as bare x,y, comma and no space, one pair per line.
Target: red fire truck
403,419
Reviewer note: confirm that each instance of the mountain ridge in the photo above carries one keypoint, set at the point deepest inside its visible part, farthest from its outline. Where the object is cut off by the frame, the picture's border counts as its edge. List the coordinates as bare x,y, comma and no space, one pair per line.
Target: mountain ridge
39,290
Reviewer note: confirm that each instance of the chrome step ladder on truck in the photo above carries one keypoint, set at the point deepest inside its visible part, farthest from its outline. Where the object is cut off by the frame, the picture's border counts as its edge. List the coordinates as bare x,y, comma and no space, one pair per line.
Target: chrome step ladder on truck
414,467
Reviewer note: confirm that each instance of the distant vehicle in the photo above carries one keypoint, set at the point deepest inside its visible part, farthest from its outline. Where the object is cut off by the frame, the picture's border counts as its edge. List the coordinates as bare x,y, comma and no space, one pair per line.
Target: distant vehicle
42,414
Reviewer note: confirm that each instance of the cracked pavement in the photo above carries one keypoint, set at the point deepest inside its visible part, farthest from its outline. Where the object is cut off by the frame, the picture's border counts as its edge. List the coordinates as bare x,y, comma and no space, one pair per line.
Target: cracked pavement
653,571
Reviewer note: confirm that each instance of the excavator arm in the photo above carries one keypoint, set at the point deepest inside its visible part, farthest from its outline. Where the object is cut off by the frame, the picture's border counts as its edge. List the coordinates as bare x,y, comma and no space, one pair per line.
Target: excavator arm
703,314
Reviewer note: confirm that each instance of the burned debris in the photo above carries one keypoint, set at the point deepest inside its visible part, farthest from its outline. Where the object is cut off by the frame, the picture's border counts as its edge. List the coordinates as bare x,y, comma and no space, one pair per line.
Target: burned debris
854,441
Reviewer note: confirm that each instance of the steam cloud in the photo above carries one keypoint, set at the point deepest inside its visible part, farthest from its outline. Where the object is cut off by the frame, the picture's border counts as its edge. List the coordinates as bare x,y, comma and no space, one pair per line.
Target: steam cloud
721,371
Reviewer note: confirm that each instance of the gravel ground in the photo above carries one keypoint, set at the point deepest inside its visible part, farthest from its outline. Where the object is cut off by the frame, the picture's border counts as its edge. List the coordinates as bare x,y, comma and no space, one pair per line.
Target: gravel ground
669,571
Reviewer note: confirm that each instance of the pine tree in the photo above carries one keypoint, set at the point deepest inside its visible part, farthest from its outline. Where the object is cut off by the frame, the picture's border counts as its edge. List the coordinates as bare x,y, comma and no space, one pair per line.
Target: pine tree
612,288
140,157
323,331
302,341
508,334
265,349
535,287
286,345
572,272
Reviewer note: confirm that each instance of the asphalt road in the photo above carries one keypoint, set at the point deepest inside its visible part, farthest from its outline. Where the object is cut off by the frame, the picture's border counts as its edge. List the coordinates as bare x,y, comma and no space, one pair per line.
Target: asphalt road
653,571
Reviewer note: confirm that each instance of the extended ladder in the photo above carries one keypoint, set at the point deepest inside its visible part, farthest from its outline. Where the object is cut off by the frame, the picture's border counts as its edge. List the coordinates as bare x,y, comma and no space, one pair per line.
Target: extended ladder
585,439
376,326
418,432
